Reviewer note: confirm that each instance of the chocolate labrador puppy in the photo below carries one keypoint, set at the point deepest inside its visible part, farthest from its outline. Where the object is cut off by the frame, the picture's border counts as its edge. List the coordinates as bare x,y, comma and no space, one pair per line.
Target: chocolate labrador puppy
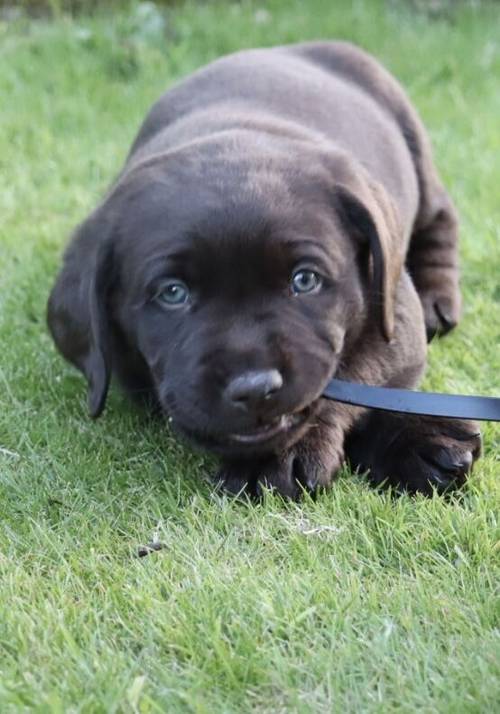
278,221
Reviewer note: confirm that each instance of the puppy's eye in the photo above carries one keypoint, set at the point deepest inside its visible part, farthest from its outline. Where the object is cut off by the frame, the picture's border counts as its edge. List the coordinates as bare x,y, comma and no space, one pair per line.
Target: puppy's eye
173,293
305,281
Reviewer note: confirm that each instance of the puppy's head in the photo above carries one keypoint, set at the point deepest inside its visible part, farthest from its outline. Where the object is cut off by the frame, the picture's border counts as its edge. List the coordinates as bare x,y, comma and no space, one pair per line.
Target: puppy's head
238,274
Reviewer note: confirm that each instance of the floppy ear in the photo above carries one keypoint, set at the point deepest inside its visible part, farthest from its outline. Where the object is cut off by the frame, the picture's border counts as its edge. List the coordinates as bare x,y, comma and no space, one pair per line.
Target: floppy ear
367,210
78,308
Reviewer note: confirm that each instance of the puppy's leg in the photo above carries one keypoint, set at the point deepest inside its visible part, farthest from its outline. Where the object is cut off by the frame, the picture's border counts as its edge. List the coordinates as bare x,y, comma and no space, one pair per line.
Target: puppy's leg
414,453
433,258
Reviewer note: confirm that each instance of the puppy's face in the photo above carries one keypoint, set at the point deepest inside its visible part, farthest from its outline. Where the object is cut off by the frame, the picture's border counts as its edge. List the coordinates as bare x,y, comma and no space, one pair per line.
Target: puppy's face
233,276
237,291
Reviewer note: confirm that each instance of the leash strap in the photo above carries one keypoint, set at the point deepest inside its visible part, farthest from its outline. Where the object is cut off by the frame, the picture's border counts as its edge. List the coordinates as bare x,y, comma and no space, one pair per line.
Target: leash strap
451,406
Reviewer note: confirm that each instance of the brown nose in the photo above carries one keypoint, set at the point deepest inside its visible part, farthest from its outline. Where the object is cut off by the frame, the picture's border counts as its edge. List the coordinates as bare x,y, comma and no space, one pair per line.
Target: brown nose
250,389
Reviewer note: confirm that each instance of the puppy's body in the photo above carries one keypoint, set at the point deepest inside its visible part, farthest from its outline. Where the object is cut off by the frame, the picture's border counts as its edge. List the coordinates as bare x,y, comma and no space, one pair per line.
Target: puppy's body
287,195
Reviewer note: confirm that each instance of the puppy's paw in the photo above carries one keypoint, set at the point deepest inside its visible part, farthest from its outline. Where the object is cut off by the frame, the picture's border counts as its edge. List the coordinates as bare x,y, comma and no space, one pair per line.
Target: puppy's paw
238,477
290,473
298,470
416,454
441,301
441,313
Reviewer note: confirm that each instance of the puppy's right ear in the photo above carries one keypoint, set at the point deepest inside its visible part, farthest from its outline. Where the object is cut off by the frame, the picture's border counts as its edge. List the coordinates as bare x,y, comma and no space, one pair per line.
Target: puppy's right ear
78,315
370,213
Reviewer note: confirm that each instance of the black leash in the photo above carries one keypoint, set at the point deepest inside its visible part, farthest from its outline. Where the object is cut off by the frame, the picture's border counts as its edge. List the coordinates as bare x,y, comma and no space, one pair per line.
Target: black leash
452,406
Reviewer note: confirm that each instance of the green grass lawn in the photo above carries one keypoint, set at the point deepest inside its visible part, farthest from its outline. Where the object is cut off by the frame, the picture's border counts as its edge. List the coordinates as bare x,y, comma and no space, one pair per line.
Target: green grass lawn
352,603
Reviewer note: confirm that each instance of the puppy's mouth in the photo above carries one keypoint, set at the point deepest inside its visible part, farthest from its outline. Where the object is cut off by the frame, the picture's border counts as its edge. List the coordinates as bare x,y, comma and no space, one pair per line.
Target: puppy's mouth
274,433
277,427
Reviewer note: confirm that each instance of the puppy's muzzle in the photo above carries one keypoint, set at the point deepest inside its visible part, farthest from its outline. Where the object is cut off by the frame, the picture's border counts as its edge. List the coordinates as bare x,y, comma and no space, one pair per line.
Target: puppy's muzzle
256,396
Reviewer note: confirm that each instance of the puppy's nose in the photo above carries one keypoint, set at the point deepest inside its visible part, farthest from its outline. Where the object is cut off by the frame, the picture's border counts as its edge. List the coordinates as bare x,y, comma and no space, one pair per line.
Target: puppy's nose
250,389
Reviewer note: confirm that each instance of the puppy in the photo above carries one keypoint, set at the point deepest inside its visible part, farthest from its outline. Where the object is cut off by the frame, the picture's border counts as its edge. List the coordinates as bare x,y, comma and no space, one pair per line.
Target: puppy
278,221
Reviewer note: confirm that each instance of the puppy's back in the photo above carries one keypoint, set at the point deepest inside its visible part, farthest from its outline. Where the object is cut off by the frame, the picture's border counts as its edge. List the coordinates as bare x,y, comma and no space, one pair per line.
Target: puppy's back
322,90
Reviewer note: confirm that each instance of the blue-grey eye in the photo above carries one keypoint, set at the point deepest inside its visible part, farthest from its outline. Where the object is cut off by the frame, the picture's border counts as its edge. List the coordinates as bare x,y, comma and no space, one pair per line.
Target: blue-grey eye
173,293
305,281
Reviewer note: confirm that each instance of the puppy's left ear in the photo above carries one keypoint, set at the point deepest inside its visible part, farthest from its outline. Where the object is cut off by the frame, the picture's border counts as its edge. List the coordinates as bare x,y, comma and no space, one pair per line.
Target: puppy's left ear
369,213
78,309
98,361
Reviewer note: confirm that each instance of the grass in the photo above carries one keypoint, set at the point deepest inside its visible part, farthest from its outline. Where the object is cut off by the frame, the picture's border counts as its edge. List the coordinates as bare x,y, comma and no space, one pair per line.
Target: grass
353,603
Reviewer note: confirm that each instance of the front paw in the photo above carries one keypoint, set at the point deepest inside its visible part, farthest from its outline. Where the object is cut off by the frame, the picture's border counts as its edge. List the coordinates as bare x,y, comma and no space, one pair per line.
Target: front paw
441,301
416,454
304,467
